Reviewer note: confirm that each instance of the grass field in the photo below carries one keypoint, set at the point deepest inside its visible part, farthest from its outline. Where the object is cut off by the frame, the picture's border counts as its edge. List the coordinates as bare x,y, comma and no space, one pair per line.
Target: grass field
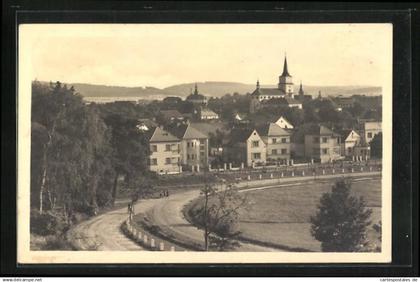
281,215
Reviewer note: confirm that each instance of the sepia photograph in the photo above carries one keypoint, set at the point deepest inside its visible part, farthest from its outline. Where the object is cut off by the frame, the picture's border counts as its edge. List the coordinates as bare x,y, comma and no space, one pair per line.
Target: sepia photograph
199,143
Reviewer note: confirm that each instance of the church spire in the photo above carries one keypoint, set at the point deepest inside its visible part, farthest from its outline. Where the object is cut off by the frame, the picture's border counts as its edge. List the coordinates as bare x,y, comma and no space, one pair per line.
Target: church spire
195,89
301,89
258,84
285,70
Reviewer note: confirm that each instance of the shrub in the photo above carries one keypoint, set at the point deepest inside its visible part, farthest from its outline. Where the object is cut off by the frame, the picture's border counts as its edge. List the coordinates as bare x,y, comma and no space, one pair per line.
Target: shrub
46,224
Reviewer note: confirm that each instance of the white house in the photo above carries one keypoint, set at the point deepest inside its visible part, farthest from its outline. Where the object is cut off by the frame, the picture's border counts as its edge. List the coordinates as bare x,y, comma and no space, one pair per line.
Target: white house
284,123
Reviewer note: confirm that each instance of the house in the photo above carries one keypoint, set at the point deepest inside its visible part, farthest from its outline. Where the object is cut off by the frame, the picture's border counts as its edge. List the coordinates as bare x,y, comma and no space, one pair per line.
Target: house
322,144
172,100
240,118
196,98
164,152
349,140
172,115
256,149
277,143
344,102
145,124
284,123
362,149
369,128
245,146
194,147
207,114
235,148
293,103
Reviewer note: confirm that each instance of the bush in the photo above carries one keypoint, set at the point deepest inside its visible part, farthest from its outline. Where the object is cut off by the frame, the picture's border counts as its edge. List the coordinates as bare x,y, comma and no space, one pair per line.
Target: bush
46,224
54,243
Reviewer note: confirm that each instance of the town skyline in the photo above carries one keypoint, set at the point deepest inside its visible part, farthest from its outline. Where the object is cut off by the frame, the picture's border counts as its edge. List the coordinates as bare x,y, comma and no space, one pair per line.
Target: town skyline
179,54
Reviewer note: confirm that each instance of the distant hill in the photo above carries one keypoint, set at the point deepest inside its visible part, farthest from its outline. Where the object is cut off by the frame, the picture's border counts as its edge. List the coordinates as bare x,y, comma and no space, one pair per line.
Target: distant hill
208,88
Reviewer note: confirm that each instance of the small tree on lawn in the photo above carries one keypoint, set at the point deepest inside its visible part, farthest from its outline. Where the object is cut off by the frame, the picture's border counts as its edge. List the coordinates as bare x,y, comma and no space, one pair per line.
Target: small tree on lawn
341,220
219,215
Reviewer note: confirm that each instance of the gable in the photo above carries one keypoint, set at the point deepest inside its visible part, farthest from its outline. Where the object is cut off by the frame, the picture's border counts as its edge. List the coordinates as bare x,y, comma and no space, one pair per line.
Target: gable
283,123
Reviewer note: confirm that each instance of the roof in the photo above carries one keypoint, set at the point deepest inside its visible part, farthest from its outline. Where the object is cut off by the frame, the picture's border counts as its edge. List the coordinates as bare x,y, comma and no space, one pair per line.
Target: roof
272,129
268,92
344,100
292,101
207,128
207,112
346,132
239,135
160,135
320,130
148,122
172,99
188,132
196,97
171,114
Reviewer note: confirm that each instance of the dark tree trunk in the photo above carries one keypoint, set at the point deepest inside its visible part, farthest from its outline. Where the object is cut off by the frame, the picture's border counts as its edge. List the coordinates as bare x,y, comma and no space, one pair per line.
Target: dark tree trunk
115,188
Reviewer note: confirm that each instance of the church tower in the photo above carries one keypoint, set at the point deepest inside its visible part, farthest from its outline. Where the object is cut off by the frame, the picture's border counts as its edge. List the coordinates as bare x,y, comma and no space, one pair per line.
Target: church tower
285,80
301,92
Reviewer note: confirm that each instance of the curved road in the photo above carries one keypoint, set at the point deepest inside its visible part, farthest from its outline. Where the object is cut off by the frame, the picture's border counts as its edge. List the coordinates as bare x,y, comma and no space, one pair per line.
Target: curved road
103,232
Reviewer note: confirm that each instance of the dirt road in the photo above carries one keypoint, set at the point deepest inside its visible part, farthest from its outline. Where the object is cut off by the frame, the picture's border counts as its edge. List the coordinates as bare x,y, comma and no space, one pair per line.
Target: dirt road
103,232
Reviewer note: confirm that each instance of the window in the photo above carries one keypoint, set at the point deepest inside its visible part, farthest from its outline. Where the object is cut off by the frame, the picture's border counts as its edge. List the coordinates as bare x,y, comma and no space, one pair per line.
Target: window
349,150
192,157
256,156
283,151
153,148
202,154
255,143
274,140
325,151
168,161
188,156
188,144
369,135
283,140
274,152
316,139
153,161
167,147
324,139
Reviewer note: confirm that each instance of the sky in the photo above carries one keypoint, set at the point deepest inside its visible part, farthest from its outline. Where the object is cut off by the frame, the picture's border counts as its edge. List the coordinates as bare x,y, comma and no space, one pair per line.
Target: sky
162,55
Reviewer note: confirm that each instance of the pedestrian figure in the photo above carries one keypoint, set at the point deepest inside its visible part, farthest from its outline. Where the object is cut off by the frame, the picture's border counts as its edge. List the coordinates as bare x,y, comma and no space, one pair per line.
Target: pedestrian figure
129,211
167,193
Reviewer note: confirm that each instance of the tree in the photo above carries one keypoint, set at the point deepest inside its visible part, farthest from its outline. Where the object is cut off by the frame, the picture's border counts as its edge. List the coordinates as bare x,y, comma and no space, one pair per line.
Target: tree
130,148
73,161
341,220
219,215
376,146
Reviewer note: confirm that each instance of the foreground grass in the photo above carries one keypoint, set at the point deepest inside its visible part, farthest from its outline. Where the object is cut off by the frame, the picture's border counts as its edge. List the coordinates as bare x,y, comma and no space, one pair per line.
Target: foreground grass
283,214
279,216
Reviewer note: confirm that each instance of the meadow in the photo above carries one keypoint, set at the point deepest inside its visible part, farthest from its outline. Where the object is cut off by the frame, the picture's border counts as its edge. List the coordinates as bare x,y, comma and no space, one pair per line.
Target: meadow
280,216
